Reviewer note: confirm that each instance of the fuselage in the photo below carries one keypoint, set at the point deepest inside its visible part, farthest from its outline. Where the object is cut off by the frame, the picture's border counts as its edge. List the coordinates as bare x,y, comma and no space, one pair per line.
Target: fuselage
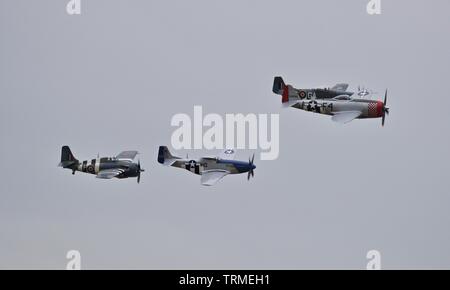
368,108
204,164
310,94
94,166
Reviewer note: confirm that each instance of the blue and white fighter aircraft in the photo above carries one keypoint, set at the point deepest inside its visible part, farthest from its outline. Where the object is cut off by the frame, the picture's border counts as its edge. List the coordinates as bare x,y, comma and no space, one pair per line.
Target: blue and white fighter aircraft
211,169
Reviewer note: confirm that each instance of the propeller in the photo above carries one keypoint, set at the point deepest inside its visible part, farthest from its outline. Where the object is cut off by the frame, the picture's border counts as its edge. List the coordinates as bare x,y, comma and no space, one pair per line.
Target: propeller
139,171
250,163
385,109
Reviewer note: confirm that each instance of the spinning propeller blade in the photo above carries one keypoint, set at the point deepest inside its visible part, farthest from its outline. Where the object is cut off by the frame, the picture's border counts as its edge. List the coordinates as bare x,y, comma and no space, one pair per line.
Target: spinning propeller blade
250,163
385,109
139,171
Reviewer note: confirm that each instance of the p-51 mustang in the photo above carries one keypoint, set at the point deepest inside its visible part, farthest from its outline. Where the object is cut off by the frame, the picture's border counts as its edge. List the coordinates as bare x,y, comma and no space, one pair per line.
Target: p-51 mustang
343,106
121,166
280,88
211,169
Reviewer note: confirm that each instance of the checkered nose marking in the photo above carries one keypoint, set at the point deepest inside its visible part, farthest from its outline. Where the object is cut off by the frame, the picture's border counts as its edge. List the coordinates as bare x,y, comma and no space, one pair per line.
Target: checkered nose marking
375,110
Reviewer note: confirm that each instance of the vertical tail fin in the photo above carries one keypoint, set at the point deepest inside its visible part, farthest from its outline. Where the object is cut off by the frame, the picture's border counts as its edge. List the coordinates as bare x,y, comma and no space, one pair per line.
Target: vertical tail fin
66,154
67,158
280,88
278,85
164,156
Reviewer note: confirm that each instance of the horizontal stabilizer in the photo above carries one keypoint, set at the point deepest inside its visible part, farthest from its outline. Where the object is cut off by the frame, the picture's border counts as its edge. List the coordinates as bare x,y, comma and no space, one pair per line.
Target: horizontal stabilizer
68,164
290,103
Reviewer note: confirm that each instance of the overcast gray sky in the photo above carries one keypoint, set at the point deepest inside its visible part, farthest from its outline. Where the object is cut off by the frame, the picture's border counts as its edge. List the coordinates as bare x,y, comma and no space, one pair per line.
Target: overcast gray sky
111,78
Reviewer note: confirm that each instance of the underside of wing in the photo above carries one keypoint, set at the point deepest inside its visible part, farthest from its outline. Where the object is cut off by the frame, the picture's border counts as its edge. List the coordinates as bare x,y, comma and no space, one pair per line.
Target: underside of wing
210,177
345,117
109,173
127,155
228,154
340,87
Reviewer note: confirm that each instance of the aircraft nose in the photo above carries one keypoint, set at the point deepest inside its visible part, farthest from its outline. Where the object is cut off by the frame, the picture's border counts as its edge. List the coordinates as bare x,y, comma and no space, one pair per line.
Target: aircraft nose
253,166
380,107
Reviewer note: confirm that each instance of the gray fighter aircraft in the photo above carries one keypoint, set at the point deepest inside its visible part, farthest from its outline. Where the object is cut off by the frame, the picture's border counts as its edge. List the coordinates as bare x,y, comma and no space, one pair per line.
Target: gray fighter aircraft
121,166
211,169
280,88
343,106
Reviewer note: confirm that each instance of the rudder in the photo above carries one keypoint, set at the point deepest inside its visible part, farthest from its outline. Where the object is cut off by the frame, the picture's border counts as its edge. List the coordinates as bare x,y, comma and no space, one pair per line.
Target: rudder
164,155
278,85
67,158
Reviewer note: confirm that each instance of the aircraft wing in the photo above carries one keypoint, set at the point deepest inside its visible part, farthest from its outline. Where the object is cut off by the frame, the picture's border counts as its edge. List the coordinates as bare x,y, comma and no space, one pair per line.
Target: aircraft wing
127,155
345,117
109,173
227,154
340,87
210,177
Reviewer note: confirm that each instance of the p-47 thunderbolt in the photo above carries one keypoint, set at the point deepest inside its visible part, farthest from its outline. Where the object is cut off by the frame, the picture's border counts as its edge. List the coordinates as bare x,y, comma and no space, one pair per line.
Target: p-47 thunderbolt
121,166
211,169
343,106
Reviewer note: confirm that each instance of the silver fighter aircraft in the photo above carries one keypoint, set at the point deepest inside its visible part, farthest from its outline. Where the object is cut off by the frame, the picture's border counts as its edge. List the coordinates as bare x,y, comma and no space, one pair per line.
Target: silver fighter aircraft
211,169
343,106
121,166
280,88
